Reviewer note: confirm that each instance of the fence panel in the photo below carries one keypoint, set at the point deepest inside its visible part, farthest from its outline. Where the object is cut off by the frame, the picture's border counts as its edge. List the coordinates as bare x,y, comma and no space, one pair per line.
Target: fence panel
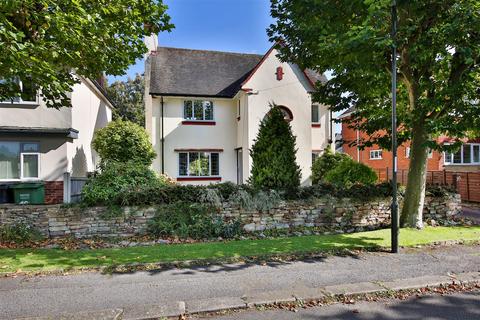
76,186
467,184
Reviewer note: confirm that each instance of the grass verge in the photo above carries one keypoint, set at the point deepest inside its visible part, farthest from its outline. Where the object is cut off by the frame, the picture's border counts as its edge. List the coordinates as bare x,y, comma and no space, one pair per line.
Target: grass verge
48,260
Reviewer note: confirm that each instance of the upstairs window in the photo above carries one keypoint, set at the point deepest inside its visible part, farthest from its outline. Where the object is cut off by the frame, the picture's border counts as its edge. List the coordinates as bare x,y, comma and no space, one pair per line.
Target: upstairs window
198,164
198,110
315,113
28,92
375,154
468,154
19,160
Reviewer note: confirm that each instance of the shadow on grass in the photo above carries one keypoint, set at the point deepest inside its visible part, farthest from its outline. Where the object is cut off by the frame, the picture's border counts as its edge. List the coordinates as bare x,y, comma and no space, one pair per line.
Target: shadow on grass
198,257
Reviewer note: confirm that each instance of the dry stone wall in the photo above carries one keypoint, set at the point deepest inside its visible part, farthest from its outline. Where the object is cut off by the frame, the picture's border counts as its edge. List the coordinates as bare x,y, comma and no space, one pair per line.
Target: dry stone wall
340,215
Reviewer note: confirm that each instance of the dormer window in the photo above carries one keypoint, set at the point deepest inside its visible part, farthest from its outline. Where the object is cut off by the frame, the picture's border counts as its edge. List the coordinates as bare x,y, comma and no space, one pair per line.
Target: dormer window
198,110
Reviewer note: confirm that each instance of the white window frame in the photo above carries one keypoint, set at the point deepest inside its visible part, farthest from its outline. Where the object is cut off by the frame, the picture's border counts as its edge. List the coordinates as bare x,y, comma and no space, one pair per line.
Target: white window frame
192,118
318,111
450,162
407,153
38,154
22,154
379,153
20,101
188,165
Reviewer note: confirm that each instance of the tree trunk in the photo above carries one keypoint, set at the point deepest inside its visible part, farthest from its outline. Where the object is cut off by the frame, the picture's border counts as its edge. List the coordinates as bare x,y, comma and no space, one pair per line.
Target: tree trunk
412,211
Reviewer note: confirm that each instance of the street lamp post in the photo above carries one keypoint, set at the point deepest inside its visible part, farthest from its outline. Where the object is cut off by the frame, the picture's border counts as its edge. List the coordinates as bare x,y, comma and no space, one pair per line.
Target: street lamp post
394,208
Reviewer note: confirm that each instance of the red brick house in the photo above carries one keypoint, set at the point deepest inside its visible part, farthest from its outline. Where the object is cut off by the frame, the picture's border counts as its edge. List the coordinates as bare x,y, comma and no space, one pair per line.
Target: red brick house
467,159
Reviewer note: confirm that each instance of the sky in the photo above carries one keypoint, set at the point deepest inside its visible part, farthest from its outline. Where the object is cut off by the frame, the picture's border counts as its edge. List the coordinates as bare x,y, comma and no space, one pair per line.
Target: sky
224,25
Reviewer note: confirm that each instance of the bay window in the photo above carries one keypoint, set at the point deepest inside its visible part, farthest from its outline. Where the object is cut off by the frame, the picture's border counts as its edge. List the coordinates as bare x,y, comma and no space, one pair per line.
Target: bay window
198,110
198,164
19,160
467,154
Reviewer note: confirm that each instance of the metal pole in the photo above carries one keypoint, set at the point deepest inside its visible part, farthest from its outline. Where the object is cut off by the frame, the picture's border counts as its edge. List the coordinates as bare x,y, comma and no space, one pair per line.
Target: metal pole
394,209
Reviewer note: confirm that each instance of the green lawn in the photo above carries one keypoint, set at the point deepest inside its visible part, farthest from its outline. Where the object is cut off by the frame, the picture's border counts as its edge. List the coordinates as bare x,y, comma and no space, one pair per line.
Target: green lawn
12,260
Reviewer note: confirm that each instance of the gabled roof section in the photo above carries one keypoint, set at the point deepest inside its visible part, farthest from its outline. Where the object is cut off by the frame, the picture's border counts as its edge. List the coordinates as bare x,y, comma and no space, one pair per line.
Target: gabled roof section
186,72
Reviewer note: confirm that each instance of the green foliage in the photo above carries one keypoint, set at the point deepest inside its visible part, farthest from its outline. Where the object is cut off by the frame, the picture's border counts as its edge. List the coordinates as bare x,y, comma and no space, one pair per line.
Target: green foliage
255,200
274,154
18,233
45,40
326,162
123,141
348,172
127,97
196,221
117,178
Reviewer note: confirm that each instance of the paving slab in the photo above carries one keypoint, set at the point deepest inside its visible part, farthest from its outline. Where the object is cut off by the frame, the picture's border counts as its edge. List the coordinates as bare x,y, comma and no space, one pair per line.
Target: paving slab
354,288
217,304
416,282
165,309
111,314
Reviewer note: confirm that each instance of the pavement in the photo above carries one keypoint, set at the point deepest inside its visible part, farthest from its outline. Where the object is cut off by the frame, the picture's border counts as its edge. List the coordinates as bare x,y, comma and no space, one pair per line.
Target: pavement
472,212
435,307
170,292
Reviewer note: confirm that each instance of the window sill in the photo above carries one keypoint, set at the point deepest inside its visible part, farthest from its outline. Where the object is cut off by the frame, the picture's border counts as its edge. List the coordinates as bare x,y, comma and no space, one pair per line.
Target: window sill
316,125
461,164
19,104
199,178
199,123
376,159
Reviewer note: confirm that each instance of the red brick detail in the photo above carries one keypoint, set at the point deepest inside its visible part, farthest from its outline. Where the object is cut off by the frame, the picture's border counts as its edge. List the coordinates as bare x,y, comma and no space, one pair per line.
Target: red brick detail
53,192
199,123
199,179
316,125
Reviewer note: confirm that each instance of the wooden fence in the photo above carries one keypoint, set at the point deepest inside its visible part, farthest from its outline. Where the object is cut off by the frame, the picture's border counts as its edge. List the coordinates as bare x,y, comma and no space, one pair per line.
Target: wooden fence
467,184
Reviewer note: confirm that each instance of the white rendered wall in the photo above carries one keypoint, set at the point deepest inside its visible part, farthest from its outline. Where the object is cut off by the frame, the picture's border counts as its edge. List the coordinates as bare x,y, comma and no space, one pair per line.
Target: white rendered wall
222,135
291,92
89,113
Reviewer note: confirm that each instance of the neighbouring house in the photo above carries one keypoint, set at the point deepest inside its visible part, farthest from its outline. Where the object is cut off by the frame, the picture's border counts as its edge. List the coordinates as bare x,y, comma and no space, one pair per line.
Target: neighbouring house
467,159
203,110
40,144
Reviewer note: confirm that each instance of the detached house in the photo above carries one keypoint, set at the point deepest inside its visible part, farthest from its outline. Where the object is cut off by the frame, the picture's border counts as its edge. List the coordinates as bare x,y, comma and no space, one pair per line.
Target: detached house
203,110
46,145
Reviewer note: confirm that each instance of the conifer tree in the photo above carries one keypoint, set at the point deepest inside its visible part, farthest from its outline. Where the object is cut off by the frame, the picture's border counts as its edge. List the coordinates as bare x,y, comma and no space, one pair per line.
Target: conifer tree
274,154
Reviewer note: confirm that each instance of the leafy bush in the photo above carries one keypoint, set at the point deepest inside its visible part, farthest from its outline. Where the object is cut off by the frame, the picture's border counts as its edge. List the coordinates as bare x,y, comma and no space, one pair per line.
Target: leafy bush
115,179
194,221
348,173
273,154
123,141
326,162
18,233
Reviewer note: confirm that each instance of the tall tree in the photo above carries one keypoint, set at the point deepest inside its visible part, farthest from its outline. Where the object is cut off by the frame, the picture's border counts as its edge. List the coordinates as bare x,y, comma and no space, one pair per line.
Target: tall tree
47,42
438,58
128,99
274,154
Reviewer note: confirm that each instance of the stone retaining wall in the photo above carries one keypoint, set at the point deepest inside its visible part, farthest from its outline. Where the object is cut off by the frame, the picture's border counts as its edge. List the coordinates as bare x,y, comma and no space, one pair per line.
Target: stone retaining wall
340,215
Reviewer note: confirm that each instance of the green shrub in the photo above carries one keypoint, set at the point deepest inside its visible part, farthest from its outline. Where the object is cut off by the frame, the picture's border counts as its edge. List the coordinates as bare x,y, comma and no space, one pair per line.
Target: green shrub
326,162
18,233
347,173
273,154
115,179
123,141
187,220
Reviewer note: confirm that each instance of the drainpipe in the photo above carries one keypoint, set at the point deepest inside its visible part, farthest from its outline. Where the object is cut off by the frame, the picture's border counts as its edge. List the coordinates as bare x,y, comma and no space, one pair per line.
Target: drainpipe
332,139
162,139
358,149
